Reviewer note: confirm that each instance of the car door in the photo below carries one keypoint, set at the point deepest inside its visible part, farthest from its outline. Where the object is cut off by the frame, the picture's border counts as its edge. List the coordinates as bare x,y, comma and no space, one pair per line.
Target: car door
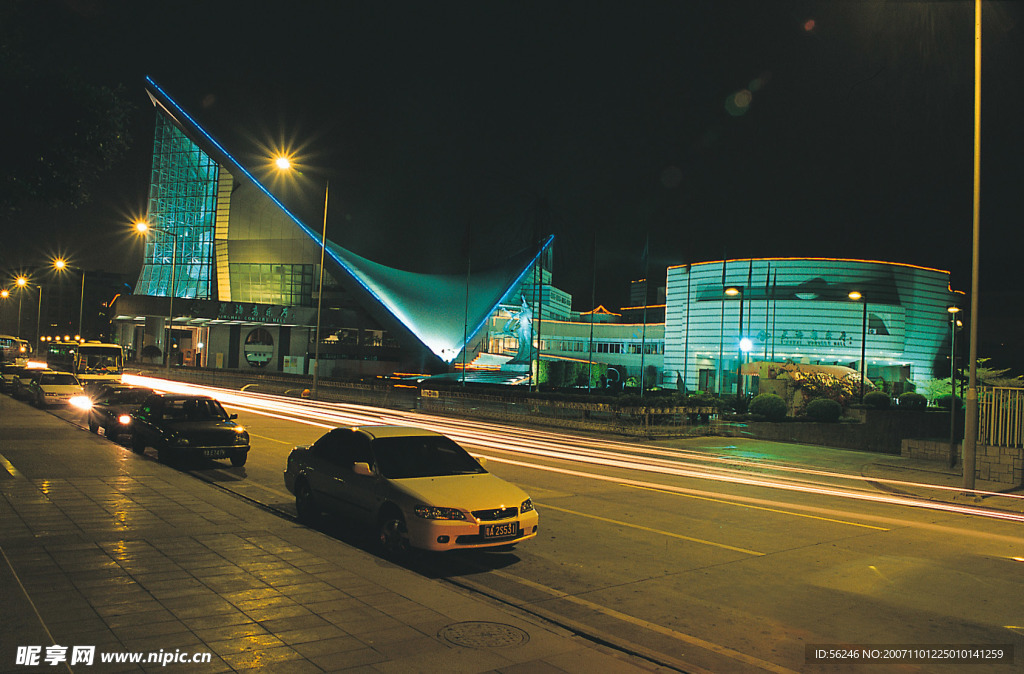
323,470
143,419
361,495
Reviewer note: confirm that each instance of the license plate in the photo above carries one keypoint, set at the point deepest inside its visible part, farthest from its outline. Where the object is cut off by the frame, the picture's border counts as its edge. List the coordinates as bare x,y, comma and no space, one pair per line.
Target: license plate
215,453
500,530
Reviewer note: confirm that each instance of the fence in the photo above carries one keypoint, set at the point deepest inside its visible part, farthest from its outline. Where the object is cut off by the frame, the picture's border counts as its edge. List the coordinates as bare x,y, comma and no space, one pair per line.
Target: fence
1001,417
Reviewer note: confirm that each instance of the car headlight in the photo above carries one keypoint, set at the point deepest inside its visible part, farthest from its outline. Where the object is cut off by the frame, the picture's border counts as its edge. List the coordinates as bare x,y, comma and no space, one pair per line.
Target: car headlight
526,506
81,402
437,513
124,419
242,438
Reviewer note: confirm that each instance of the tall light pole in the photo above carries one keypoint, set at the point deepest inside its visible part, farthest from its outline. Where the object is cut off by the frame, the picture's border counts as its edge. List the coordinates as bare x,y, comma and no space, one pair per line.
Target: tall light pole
855,295
21,282
953,311
60,264
284,164
733,291
971,409
143,228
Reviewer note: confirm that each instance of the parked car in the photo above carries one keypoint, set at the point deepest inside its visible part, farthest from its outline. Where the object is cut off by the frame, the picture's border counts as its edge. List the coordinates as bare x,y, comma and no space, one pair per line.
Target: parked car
418,488
23,379
47,388
8,373
111,407
188,426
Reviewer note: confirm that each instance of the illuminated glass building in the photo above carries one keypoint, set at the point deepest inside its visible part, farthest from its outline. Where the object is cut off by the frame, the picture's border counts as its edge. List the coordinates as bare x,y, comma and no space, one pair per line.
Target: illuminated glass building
800,309
246,274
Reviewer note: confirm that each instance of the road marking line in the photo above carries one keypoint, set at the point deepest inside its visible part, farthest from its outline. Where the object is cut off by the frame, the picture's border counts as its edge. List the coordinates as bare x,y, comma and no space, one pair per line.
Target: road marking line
263,437
654,531
654,627
753,507
9,467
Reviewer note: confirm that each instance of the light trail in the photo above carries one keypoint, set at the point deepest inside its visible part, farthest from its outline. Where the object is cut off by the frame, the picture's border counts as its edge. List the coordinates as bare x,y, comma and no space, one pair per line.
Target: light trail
580,449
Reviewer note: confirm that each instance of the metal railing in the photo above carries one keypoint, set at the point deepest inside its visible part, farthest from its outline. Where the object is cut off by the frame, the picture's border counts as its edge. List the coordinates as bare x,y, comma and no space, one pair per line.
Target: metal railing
1001,417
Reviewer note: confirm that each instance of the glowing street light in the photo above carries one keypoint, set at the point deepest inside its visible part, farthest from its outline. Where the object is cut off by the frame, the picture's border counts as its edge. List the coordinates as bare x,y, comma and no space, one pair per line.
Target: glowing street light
60,264
856,296
953,324
283,163
143,228
733,291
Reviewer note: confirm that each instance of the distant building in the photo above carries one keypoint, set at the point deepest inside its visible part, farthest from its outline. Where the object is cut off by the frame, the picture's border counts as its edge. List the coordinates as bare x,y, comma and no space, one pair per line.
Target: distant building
800,309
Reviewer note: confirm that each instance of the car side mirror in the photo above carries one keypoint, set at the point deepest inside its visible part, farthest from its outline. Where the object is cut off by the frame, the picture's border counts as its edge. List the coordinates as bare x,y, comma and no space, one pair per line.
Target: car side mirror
362,468
232,416
482,460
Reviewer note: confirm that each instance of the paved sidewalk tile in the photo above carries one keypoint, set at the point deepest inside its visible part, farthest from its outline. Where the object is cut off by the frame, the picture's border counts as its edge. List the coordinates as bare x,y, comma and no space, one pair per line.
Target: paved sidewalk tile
108,549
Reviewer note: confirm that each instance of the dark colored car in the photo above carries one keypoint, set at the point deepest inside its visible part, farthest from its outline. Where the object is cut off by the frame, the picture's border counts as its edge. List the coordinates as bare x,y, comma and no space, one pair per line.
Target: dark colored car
23,382
188,426
112,407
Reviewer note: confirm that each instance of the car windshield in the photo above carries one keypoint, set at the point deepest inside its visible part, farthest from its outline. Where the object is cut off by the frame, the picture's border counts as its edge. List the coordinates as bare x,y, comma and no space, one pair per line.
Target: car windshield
58,380
193,409
422,456
100,361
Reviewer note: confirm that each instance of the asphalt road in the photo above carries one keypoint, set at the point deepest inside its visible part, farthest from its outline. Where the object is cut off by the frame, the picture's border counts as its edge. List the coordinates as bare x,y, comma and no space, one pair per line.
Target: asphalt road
701,559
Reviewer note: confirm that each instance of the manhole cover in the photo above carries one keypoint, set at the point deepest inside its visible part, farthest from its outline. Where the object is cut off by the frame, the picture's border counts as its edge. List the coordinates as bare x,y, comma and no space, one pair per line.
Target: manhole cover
478,634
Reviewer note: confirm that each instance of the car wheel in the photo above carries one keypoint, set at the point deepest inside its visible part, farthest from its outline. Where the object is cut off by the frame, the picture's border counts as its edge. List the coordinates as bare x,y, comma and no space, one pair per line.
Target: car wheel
165,455
138,444
93,426
305,504
394,536
238,460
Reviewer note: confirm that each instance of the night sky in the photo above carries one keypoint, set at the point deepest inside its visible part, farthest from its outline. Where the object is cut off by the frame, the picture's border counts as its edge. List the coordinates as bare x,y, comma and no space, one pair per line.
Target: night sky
719,127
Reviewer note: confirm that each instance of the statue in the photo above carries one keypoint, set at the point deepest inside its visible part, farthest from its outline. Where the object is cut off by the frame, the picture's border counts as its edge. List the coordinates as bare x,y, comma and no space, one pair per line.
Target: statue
520,326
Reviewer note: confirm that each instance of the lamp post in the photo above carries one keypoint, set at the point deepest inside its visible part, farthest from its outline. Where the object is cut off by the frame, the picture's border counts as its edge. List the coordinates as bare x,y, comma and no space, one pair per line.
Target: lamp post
21,282
143,228
953,311
284,164
733,291
60,264
857,296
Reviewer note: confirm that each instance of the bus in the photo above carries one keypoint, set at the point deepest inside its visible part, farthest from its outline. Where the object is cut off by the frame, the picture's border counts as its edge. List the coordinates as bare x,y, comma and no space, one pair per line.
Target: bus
92,362
14,351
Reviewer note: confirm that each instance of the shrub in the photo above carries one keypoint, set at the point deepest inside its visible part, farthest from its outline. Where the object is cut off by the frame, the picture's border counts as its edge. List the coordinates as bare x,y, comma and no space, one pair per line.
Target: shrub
769,406
823,409
946,401
877,400
912,401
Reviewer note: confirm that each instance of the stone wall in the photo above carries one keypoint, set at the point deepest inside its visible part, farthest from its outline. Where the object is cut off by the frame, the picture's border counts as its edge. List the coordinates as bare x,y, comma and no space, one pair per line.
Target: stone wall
1004,465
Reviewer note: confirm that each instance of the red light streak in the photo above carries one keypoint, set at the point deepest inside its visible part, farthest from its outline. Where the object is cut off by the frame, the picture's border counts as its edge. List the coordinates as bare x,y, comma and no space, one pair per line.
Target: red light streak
581,449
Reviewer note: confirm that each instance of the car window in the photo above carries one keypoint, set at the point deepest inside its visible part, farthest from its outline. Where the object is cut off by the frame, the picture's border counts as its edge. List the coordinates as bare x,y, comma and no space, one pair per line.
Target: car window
58,379
422,456
127,396
354,447
329,445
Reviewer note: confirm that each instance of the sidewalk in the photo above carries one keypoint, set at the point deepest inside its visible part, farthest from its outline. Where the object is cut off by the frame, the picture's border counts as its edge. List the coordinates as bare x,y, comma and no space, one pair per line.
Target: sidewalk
102,548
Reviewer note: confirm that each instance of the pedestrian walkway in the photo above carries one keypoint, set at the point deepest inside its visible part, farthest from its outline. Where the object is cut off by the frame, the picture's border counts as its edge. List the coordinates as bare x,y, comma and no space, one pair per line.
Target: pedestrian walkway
109,554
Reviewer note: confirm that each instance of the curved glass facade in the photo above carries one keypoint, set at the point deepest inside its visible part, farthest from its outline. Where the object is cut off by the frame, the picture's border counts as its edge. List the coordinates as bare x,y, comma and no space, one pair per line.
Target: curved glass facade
801,310
183,202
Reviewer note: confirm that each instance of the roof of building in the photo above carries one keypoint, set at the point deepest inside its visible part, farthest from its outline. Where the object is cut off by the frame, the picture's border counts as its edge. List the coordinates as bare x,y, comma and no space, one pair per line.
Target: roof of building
438,311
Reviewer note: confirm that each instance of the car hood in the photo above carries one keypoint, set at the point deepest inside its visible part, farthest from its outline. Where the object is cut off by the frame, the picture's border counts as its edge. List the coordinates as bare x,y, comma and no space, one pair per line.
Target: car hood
472,492
60,388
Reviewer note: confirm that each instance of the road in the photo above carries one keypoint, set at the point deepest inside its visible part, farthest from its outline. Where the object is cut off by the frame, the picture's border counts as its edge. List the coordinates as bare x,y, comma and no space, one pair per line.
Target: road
700,559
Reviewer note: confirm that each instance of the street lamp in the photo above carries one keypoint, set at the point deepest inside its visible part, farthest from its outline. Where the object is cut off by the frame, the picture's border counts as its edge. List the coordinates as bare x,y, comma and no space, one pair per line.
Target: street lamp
284,164
857,296
953,311
733,291
143,228
60,264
